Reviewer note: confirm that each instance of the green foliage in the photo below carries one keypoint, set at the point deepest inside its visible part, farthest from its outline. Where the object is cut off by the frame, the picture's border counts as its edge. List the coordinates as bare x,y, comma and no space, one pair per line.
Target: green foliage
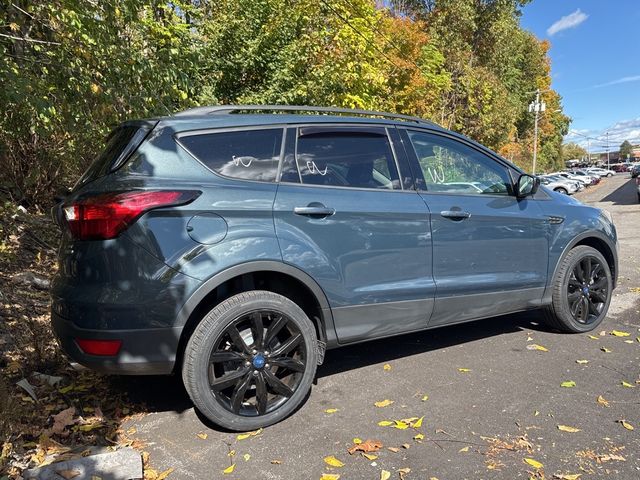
626,150
75,68
573,151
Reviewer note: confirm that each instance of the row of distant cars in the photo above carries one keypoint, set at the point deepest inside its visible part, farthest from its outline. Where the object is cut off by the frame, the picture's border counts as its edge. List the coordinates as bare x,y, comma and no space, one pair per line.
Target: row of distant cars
573,181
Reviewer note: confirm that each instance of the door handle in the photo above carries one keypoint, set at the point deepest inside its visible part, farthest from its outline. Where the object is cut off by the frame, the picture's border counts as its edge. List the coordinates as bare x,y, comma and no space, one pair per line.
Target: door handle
455,214
314,211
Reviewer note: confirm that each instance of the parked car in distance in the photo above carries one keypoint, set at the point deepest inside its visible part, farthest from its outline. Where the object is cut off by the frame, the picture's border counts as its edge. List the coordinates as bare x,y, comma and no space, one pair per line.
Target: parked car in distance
234,245
561,186
594,179
577,184
635,170
584,181
602,172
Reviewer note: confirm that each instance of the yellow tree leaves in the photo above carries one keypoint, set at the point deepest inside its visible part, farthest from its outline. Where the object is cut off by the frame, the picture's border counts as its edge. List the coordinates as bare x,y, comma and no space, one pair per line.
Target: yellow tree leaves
333,461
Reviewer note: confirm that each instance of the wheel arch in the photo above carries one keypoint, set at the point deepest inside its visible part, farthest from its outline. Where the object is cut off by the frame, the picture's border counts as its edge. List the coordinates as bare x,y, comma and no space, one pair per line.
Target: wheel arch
277,277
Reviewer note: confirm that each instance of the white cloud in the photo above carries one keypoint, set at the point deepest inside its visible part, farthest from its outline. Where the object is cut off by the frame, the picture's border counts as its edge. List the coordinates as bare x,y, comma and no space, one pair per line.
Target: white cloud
634,78
618,133
568,21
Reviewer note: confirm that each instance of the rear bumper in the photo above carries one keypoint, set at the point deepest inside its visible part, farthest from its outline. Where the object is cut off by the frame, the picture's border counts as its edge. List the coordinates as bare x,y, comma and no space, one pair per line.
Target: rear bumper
143,351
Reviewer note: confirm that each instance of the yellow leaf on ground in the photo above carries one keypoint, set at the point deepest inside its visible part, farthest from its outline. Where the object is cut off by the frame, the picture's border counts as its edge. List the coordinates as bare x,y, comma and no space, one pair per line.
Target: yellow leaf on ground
333,461
244,436
357,441
627,384
276,462
385,423
393,449
419,436
593,337
464,370
383,403
385,475
533,463
229,469
566,428
202,436
535,346
567,476
582,362
330,476
369,456
246,457
165,474
605,349
331,410
400,425
601,400
568,384
464,449
418,423
425,398
536,413
618,333
386,367
626,425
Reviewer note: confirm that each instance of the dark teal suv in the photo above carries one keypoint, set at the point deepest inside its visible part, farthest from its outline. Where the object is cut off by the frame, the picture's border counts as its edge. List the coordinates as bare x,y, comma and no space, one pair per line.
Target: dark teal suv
235,244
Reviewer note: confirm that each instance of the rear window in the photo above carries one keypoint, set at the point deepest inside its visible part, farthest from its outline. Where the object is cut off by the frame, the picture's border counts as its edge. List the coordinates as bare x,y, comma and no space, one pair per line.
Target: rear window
245,154
120,144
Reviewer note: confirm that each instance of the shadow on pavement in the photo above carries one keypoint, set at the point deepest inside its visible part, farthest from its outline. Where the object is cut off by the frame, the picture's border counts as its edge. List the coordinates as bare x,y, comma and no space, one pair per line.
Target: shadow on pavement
167,393
626,194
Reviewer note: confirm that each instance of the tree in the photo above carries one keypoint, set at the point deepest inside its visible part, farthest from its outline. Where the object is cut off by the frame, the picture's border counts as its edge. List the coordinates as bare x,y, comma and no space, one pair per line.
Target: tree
572,151
626,150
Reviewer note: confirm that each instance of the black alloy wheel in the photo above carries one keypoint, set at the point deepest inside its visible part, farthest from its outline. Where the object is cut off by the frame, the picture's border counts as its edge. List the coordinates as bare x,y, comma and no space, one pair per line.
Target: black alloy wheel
587,290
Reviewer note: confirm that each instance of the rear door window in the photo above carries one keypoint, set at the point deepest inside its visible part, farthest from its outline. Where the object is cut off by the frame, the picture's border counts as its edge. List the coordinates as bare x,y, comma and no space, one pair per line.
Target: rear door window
356,157
243,154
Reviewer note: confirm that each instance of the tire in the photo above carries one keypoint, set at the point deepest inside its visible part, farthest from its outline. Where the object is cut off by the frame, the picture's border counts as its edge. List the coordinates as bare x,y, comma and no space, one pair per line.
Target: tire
239,337
568,290
561,190
609,174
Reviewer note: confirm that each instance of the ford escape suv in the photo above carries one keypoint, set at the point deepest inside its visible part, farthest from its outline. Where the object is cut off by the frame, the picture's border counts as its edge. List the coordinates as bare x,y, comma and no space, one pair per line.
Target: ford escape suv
235,244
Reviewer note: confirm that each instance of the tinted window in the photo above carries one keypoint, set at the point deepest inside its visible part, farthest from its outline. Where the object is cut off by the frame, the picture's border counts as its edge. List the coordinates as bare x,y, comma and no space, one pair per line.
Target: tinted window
121,143
346,157
453,167
246,154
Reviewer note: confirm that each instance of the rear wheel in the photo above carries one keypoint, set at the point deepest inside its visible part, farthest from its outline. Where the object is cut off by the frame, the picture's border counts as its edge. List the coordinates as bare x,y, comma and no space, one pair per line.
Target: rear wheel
561,190
251,361
581,291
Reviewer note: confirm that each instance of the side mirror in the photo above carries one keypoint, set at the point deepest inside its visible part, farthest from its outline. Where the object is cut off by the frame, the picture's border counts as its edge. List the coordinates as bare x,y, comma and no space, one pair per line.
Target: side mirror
527,185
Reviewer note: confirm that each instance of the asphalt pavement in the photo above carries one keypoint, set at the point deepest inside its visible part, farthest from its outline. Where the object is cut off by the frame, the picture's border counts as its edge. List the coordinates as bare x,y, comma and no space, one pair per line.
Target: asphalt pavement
492,403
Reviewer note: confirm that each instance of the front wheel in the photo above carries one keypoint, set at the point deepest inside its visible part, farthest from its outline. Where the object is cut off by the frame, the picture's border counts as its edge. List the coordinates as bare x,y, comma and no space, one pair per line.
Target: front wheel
251,361
582,290
562,191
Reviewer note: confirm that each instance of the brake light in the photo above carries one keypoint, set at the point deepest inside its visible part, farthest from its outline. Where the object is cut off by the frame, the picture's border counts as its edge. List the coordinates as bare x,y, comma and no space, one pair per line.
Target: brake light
107,215
99,347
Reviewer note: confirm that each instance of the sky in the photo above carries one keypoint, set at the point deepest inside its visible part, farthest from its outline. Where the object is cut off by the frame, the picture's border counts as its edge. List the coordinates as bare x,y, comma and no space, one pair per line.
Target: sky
595,65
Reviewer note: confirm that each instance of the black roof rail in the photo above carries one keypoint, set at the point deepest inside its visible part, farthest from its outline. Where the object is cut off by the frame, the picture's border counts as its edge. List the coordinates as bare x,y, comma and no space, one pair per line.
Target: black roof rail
226,109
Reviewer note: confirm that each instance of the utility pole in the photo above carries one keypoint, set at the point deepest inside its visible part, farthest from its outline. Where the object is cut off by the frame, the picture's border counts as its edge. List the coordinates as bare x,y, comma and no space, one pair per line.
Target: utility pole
537,106
589,151
608,164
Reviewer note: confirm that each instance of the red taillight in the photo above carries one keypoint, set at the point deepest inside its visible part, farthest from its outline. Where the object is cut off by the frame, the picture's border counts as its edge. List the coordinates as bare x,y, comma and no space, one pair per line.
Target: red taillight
105,216
99,347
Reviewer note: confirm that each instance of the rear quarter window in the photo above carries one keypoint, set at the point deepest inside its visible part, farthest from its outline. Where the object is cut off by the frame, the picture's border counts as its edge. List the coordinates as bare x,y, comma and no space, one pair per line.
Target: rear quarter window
242,154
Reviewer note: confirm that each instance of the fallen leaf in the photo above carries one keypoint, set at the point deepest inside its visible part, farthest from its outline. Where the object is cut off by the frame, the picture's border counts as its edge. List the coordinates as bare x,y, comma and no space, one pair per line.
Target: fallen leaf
567,476
232,453
464,370
593,337
425,398
618,333
330,476
418,423
386,367
626,425
370,456
385,475
165,474
568,384
62,420
535,346
419,436
276,462
202,436
383,403
244,436
627,384
601,400
229,469
566,428
366,446
331,410
357,441
385,423
400,425
68,474
406,446
393,449
464,449
629,341
605,349
582,362
403,471
536,413
333,461
246,457
534,463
